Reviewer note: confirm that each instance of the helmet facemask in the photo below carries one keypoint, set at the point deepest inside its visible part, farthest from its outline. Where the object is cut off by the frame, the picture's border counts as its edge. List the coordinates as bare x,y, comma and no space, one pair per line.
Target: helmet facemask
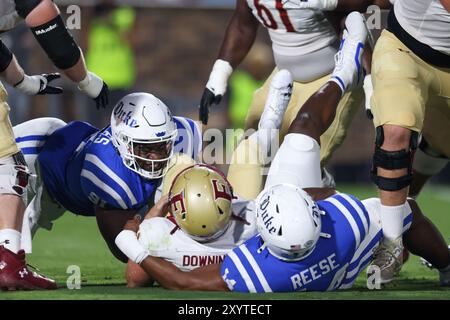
134,152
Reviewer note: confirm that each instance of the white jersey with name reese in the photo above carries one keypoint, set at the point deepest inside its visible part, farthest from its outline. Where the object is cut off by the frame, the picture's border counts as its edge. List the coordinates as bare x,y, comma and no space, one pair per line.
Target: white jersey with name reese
427,21
164,239
298,36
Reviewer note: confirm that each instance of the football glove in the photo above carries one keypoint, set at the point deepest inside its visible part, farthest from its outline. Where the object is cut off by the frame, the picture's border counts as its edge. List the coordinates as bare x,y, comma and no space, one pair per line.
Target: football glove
39,84
215,88
94,87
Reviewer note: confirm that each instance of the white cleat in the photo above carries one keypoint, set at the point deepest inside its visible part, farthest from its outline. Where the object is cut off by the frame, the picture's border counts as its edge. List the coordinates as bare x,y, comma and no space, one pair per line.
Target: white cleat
277,101
348,72
388,257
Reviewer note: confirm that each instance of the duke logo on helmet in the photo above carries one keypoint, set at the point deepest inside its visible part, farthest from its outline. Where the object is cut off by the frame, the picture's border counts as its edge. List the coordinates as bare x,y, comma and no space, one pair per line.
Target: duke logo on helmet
141,119
288,221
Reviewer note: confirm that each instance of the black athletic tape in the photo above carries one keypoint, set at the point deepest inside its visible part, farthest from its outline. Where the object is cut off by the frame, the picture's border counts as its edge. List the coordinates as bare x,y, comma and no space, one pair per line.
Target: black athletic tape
392,184
391,160
5,57
58,43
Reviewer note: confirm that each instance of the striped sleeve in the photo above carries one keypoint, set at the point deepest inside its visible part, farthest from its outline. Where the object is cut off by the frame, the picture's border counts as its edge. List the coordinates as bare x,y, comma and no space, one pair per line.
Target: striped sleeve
31,144
242,273
103,184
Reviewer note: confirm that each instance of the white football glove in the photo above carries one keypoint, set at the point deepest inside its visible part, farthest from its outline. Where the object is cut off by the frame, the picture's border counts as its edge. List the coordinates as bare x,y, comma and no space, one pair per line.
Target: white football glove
325,5
215,88
38,84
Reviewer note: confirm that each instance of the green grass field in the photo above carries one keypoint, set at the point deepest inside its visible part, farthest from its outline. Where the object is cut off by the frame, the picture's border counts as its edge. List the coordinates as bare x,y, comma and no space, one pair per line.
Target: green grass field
75,240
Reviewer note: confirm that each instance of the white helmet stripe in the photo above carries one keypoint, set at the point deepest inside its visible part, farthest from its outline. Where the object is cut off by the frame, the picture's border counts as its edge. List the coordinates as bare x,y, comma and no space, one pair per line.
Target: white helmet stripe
342,209
102,166
91,177
242,271
256,268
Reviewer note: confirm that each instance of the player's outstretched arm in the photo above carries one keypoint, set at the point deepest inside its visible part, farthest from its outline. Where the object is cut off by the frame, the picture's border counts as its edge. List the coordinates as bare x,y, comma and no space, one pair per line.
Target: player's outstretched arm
44,20
110,224
12,72
205,278
239,38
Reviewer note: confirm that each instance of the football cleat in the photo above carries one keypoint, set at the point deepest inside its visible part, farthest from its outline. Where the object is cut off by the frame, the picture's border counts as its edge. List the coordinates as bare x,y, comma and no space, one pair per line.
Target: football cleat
327,179
16,275
277,100
348,72
388,257
444,275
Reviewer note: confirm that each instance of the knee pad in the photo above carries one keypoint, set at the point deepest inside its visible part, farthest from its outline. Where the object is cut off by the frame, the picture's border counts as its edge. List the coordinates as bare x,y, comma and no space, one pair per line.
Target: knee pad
392,160
58,43
14,175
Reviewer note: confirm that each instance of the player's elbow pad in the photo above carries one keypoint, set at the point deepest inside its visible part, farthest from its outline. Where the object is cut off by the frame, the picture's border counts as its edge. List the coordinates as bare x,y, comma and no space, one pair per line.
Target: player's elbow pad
58,43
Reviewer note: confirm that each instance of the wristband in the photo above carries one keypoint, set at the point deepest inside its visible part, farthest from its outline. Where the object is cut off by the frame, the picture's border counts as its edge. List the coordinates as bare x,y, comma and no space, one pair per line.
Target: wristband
128,243
218,78
91,85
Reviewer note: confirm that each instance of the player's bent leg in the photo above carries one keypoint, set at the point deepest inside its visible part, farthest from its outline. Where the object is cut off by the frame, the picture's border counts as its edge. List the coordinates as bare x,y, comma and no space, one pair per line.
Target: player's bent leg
392,173
335,135
41,211
425,240
13,183
297,162
425,166
245,172
248,160
257,105
8,146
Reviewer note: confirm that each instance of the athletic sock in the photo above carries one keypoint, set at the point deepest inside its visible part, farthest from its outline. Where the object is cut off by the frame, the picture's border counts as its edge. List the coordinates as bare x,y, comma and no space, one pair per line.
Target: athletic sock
392,221
10,239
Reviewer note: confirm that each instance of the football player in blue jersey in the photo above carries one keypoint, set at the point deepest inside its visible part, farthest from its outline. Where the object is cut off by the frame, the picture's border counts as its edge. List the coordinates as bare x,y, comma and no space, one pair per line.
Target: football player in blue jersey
111,173
310,238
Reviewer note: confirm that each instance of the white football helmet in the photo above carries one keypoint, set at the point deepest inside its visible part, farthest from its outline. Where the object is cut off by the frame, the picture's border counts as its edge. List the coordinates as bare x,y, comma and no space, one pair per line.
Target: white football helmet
288,221
140,121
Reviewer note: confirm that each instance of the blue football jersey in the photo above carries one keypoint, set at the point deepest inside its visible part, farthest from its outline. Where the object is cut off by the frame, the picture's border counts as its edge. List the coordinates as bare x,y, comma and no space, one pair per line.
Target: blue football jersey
251,268
81,168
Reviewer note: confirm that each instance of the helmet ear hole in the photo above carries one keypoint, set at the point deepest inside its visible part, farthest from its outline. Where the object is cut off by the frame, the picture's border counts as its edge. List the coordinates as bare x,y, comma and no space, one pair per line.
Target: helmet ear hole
220,210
